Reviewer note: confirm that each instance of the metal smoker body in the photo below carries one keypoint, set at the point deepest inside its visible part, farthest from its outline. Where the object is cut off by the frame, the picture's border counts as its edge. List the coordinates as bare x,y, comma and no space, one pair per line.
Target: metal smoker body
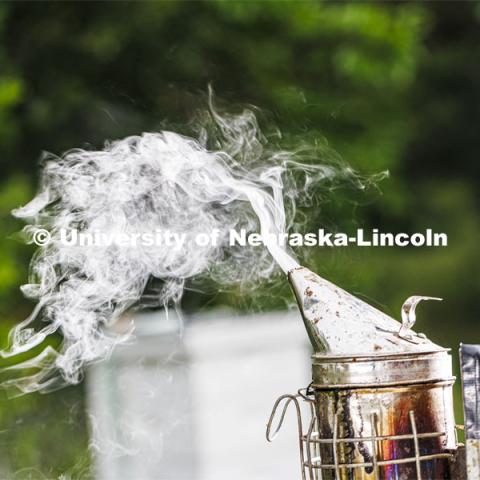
399,408
380,405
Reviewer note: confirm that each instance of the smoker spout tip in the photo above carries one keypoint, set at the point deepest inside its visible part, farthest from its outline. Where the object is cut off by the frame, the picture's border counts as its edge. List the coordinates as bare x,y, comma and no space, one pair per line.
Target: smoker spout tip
301,280
304,284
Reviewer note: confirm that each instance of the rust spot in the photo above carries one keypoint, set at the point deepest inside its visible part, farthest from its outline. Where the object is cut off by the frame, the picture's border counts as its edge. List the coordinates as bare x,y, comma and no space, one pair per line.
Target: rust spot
308,292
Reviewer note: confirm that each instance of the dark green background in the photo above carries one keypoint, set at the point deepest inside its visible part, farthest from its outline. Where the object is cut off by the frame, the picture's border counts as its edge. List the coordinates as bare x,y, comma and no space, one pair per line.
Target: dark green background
389,86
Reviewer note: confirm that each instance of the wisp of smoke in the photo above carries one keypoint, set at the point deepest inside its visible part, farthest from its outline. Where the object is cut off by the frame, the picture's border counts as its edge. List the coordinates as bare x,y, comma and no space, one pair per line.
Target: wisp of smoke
229,177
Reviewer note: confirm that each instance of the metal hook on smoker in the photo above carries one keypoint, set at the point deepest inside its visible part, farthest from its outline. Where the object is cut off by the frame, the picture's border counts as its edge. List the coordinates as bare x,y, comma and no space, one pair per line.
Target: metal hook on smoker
289,398
409,316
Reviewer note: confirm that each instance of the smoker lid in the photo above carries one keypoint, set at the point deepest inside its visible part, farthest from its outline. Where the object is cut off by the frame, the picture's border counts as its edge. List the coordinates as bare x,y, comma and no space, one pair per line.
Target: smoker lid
342,324
381,370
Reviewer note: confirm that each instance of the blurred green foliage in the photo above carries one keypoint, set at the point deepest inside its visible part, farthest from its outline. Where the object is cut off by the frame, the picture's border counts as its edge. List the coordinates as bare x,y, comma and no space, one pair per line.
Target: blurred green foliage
389,86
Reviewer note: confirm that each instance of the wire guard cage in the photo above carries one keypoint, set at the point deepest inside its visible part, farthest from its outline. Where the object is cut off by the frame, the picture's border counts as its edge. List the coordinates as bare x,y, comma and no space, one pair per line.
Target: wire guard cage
311,443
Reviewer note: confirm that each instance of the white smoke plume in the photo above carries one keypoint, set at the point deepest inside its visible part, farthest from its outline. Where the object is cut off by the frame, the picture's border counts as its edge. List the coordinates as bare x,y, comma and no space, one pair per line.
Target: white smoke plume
229,177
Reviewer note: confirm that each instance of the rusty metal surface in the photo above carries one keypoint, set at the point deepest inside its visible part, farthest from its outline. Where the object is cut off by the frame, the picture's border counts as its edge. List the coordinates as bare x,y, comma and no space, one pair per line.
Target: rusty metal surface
383,396
419,460
385,414
470,366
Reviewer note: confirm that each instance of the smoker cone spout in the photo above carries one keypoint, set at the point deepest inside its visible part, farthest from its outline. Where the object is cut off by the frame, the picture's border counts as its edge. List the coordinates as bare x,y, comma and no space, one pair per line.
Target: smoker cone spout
339,323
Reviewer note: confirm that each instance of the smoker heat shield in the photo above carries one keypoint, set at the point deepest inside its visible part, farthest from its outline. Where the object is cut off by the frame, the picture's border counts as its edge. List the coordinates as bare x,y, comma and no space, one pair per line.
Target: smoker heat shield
470,364
376,417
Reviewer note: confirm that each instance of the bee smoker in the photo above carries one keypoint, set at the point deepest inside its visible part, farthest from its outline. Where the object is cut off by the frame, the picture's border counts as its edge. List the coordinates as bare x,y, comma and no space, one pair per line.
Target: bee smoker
380,404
